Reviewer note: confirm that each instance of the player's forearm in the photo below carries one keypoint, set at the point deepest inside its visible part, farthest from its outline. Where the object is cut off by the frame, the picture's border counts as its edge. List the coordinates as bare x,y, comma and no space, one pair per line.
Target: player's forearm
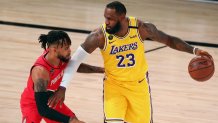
180,45
79,55
85,68
43,109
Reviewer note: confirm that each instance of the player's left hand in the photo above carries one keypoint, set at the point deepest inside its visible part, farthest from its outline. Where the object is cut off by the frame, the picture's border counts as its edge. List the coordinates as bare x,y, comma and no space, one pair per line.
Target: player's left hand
200,52
58,97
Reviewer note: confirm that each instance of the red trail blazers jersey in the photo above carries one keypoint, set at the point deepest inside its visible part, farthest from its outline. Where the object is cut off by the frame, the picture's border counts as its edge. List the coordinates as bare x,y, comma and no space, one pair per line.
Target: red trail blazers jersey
55,73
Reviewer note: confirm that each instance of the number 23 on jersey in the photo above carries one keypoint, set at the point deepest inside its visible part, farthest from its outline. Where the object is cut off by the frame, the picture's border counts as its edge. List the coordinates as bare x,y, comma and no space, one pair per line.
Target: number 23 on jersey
130,60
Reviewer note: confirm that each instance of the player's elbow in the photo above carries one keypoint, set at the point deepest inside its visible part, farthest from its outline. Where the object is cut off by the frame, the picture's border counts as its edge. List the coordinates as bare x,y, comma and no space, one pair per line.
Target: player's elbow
43,112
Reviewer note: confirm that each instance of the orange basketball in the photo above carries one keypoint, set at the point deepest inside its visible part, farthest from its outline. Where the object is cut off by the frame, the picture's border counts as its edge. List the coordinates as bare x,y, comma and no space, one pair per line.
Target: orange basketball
201,68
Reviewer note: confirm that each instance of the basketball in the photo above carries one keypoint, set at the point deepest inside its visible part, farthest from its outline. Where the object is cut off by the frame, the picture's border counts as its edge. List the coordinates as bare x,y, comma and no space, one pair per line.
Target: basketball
201,68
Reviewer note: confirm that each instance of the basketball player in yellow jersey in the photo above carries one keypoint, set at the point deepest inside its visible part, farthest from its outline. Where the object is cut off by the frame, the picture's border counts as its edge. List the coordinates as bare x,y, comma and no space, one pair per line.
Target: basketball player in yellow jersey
120,38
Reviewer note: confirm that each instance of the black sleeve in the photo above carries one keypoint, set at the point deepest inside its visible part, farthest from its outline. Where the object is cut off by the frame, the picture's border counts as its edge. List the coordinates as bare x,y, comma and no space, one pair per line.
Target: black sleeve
43,109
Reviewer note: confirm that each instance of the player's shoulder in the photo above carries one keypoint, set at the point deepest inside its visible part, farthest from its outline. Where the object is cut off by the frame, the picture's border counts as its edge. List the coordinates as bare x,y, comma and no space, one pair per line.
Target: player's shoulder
39,70
98,33
145,24
39,74
146,29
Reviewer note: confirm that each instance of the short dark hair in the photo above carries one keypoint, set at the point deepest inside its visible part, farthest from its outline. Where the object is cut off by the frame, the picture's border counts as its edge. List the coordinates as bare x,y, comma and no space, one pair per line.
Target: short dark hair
54,37
118,6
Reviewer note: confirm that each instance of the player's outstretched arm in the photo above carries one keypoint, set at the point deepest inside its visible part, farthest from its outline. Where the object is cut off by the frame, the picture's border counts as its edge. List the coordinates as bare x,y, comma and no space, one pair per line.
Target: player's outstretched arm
93,41
148,30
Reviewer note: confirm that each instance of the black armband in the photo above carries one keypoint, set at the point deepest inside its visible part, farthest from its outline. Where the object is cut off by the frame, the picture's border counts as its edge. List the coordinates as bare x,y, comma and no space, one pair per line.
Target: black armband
43,109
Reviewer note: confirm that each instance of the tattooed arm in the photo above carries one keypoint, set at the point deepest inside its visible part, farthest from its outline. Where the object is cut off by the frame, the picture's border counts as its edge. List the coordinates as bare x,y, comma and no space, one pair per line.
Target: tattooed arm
40,77
148,30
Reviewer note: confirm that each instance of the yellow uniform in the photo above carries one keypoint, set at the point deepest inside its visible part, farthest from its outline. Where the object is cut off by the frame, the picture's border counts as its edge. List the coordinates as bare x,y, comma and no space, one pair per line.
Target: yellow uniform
126,89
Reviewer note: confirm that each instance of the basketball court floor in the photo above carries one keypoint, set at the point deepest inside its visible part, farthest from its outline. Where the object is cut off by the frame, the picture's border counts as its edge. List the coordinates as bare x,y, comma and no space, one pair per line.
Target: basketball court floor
176,97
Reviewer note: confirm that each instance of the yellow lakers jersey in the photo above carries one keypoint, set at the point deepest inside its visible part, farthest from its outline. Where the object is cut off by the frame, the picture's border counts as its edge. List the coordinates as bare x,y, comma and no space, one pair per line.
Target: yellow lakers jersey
124,57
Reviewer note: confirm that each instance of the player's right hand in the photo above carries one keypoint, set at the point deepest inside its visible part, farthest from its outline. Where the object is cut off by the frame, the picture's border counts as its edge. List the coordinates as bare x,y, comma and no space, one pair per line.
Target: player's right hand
58,97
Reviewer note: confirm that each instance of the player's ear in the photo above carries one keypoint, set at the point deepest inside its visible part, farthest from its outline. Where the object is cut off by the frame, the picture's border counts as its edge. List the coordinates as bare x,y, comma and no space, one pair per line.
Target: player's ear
122,16
53,49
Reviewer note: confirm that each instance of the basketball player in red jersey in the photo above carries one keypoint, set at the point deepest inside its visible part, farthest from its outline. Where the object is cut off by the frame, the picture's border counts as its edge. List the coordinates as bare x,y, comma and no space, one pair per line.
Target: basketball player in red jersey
44,80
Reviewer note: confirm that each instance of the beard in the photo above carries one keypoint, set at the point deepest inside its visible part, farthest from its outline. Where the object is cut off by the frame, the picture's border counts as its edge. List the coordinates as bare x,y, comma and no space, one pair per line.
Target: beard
63,59
115,29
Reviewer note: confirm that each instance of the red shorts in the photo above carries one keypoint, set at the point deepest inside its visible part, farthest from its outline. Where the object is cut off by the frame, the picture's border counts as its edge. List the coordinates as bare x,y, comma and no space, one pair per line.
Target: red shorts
31,114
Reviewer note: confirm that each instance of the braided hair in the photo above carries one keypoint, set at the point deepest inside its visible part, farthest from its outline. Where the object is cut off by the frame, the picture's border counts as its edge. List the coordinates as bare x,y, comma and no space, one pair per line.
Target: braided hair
54,37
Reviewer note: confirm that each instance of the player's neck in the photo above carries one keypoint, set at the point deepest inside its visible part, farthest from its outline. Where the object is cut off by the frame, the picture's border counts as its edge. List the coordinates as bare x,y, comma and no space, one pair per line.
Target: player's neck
53,60
123,28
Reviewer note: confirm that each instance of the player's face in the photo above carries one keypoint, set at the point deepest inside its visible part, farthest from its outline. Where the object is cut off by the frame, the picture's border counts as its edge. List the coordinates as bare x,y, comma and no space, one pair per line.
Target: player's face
64,53
112,21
